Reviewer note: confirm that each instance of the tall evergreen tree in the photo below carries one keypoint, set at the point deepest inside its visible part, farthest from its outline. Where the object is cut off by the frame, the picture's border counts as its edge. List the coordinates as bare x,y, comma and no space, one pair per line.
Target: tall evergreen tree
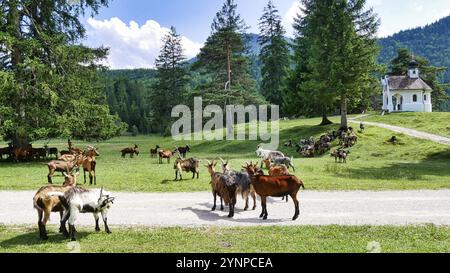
274,55
223,57
171,80
50,84
430,74
338,37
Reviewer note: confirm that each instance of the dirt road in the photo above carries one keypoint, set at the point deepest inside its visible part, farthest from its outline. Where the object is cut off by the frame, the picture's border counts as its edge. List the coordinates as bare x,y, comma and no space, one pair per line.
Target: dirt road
193,209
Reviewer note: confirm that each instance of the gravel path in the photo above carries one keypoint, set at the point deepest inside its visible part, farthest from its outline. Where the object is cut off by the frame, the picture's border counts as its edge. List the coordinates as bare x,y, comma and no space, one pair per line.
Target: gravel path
193,209
407,131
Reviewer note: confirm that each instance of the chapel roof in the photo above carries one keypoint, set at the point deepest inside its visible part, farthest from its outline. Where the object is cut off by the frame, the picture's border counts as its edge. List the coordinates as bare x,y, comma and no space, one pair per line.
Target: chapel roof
407,83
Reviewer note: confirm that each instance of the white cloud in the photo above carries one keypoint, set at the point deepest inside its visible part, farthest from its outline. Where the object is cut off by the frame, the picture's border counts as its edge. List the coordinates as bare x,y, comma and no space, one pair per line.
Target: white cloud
289,16
133,46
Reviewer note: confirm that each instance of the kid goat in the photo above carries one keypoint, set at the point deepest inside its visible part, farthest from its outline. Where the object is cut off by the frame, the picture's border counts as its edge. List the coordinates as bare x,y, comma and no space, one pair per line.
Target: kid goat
46,204
79,200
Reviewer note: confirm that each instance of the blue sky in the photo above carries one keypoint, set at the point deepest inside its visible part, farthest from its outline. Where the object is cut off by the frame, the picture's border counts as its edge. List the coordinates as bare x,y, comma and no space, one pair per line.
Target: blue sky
133,28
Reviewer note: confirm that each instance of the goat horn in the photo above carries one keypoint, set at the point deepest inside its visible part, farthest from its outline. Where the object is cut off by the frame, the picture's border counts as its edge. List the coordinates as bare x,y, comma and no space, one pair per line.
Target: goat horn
101,192
223,162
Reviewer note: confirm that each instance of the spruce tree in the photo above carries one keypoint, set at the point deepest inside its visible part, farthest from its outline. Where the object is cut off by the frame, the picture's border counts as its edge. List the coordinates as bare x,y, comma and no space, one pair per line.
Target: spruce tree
274,55
223,59
171,80
50,85
338,39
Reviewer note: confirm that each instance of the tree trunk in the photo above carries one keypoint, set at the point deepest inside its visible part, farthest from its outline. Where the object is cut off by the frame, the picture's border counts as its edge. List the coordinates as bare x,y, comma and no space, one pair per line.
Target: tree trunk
344,120
325,120
229,118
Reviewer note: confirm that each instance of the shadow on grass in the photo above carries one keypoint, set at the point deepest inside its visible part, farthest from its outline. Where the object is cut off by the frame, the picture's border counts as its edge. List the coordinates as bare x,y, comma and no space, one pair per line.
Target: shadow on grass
436,164
31,238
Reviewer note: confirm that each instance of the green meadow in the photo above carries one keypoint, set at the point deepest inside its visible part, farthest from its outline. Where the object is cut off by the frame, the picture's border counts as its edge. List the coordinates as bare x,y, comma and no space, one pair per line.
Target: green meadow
373,164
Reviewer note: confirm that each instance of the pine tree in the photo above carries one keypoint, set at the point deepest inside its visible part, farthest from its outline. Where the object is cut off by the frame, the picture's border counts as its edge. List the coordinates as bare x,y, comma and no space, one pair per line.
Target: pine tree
171,80
223,59
50,80
274,54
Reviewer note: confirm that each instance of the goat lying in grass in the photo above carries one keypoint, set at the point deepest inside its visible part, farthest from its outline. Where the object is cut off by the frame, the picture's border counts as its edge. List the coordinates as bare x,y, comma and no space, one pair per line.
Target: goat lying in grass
46,204
224,186
242,180
78,200
274,186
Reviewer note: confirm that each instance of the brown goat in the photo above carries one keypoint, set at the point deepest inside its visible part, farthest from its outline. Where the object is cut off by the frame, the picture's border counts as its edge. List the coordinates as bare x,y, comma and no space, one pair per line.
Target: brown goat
130,151
165,154
154,152
188,165
89,164
223,186
45,204
275,186
62,166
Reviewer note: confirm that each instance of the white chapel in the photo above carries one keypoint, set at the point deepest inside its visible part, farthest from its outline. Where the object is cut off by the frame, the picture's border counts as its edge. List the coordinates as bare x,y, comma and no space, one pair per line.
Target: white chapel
406,93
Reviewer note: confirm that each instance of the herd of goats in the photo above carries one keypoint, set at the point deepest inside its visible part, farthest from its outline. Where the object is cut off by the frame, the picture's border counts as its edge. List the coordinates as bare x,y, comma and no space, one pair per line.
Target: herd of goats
227,184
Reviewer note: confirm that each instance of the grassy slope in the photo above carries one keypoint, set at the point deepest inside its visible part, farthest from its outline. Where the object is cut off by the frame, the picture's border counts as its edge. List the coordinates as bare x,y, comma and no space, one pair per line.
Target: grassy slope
231,240
434,123
373,165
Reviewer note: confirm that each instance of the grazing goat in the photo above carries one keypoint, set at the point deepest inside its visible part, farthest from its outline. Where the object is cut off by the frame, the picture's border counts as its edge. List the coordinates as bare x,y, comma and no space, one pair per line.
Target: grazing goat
362,127
275,186
182,150
283,161
188,165
242,180
62,166
164,154
154,152
130,151
39,153
45,204
22,153
79,200
224,186
341,155
51,151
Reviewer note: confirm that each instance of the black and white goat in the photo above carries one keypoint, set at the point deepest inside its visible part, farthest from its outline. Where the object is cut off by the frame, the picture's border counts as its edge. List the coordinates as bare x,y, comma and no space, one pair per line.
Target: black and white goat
79,200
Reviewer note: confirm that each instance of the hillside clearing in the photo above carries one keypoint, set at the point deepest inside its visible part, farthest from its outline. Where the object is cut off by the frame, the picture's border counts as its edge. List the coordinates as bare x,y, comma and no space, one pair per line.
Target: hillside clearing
372,165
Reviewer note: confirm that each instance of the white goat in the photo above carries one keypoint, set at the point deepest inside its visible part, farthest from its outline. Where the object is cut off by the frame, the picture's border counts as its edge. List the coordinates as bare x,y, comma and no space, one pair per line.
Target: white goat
267,154
79,200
